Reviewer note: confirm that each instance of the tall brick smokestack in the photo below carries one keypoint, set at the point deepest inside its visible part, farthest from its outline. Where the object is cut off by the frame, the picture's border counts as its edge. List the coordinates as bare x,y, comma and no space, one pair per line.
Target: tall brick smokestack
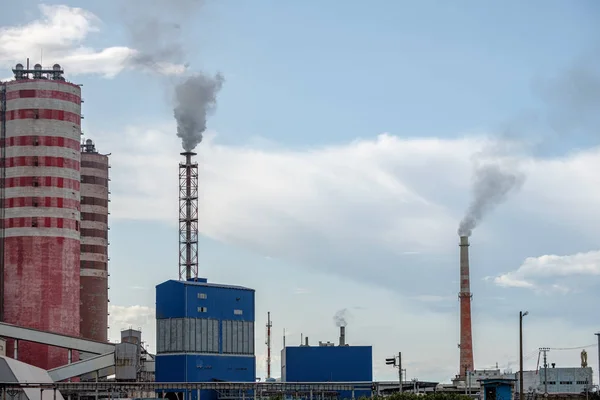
466,340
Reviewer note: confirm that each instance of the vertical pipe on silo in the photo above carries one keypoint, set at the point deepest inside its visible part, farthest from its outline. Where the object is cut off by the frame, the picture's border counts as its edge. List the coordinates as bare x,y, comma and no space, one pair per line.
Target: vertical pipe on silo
2,191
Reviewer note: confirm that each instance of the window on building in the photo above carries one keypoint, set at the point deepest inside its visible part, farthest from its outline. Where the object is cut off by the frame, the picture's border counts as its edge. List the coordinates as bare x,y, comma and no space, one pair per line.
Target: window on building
238,312
582,382
202,296
202,309
566,382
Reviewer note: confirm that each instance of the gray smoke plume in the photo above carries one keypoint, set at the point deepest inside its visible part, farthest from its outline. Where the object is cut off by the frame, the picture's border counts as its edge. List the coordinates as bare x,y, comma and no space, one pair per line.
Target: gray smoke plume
341,318
491,185
155,29
571,102
195,98
573,97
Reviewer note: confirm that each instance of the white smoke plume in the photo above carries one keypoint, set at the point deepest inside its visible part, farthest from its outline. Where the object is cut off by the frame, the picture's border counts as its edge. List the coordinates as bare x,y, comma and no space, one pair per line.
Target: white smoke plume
341,317
195,98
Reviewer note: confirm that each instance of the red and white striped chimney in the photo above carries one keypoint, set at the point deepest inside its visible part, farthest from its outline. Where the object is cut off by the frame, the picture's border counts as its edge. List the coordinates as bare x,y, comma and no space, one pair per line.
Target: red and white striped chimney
466,340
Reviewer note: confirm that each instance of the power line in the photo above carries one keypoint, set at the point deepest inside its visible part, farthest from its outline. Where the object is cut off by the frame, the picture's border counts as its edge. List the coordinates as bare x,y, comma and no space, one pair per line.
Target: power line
572,348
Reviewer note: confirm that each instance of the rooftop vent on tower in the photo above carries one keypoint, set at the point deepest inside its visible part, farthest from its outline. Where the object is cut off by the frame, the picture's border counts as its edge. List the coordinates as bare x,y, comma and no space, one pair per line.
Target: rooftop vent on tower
89,146
38,72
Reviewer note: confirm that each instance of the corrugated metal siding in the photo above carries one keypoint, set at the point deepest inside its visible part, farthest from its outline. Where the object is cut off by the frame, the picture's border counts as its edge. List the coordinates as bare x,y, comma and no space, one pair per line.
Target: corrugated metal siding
178,335
238,337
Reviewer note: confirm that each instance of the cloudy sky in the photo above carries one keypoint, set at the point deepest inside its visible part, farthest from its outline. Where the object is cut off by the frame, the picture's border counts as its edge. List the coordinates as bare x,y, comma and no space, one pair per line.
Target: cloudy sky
340,160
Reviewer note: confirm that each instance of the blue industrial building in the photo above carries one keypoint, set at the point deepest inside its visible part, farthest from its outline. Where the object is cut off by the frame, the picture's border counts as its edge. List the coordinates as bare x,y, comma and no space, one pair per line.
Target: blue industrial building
497,389
205,333
328,363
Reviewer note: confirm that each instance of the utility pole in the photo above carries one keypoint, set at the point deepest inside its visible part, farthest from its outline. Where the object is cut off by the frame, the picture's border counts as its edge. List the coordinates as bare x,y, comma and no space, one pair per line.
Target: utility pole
400,370
521,315
545,350
392,361
598,335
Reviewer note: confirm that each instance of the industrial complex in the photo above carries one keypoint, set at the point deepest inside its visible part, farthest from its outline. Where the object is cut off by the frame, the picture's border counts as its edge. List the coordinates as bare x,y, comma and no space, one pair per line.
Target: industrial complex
54,192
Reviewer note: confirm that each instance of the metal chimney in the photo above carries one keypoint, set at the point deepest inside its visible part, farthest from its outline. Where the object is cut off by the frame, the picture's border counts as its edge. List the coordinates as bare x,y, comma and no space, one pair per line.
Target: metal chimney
466,340
306,341
342,335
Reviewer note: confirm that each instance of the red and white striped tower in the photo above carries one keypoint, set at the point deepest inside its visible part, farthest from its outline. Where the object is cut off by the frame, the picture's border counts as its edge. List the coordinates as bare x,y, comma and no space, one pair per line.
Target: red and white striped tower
94,243
41,132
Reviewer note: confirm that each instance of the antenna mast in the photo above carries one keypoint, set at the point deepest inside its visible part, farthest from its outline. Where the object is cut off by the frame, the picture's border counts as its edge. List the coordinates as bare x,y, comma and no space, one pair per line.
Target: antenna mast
268,343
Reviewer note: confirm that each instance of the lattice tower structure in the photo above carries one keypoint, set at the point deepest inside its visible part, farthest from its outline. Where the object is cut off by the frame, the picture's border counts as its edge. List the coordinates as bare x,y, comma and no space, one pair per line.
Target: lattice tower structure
188,217
41,129
94,243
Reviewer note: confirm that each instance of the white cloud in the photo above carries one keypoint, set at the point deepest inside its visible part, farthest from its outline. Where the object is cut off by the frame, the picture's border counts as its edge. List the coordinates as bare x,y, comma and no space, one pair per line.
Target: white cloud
353,192
340,205
60,34
535,272
132,317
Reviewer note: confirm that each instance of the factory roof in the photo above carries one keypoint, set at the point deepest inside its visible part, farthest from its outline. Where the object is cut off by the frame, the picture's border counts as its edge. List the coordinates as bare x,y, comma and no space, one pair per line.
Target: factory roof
487,381
204,282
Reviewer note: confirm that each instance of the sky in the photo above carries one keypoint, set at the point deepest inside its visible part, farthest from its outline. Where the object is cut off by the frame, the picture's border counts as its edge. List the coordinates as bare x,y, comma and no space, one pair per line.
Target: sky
340,159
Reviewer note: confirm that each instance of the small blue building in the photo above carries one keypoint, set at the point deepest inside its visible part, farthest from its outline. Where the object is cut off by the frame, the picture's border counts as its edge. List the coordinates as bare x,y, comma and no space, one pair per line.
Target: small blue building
328,363
497,389
204,333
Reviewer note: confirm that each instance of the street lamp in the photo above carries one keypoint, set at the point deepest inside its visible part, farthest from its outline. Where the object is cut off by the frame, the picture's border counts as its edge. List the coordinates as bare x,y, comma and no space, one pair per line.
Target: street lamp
521,315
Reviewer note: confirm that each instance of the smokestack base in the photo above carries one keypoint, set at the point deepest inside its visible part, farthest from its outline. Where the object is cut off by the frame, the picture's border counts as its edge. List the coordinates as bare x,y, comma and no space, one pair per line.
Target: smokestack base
464,241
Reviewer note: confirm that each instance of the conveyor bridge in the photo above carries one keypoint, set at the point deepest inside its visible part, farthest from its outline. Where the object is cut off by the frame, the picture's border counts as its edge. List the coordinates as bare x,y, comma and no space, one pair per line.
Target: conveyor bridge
99,358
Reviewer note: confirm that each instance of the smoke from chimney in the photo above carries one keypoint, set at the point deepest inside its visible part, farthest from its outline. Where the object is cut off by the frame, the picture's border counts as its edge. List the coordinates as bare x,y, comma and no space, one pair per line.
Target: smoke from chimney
155,28
340,317
195,97
571,101
491,185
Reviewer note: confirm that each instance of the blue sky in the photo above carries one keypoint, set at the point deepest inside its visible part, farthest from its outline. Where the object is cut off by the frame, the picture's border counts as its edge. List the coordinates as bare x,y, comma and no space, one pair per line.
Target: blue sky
338,164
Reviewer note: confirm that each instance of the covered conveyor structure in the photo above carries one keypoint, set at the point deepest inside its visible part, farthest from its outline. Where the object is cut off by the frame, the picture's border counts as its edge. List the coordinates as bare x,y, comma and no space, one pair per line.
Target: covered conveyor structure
98,359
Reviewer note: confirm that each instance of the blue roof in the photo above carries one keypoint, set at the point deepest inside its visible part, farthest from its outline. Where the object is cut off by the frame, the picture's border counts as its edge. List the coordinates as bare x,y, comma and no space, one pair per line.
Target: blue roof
204,283
496,380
